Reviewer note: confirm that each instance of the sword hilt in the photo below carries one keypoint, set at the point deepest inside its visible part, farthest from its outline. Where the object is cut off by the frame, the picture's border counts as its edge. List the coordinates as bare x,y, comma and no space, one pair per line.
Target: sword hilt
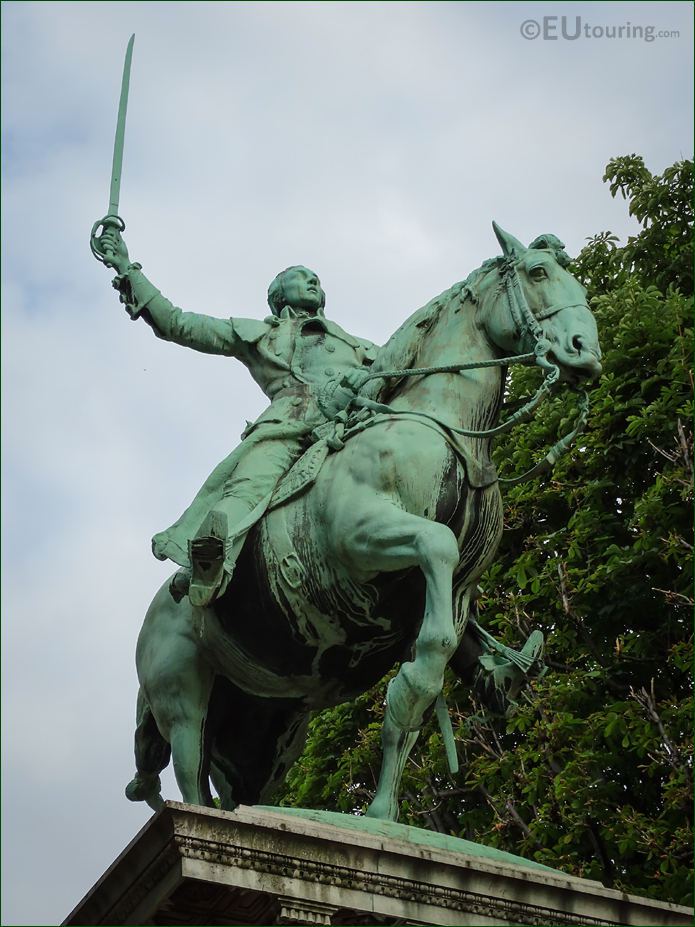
108,222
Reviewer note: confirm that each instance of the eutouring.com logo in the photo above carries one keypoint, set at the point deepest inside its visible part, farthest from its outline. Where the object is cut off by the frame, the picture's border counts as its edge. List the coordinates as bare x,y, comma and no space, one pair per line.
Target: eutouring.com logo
572,28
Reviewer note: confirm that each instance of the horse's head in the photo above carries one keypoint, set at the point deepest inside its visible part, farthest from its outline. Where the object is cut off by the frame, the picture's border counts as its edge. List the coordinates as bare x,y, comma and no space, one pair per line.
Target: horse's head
528,301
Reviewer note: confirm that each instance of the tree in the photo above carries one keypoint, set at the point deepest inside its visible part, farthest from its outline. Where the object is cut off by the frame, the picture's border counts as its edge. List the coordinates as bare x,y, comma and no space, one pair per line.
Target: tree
592,773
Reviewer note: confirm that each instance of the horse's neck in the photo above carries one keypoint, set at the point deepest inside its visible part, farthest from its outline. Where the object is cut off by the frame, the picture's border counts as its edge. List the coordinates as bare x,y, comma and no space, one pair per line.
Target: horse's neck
469,399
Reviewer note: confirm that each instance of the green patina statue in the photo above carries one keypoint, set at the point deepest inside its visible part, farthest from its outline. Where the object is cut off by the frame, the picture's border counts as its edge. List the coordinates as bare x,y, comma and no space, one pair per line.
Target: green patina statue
375,540
348,531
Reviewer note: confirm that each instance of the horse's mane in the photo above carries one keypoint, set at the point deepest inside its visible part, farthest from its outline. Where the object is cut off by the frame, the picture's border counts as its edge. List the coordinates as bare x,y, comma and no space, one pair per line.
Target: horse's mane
466,290
462,291
400,351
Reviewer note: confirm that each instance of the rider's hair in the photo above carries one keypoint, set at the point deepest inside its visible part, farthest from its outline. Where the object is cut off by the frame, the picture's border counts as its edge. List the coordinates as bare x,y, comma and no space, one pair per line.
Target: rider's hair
277,299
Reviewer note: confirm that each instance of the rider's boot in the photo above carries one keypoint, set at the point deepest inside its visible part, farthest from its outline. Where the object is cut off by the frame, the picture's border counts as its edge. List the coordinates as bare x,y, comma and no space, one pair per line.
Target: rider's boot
530,654
212,550
503,671
207,552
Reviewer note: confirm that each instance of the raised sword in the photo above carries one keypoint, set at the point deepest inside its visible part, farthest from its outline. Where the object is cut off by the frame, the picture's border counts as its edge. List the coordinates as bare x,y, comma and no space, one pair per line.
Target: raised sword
112,219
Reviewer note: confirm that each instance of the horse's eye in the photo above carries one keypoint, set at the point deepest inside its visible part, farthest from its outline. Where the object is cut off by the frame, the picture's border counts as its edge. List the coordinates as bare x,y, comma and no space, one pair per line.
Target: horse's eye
538,273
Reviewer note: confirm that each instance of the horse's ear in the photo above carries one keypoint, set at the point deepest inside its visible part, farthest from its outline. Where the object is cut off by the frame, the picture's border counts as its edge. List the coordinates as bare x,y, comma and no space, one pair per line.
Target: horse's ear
511,247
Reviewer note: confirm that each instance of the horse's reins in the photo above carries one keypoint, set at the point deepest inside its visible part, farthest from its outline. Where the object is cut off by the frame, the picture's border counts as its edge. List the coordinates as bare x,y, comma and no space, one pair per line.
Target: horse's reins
526,323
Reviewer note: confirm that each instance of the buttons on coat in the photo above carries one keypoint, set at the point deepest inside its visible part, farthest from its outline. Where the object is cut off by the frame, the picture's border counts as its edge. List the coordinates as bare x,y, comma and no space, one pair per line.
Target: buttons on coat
329,371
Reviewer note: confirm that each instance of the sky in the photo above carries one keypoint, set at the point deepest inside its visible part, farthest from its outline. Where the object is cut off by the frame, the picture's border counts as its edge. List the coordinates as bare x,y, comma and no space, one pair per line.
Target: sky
374,143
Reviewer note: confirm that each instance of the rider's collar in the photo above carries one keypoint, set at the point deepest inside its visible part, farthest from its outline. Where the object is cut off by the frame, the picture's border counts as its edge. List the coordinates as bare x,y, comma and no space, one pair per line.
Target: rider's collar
289,313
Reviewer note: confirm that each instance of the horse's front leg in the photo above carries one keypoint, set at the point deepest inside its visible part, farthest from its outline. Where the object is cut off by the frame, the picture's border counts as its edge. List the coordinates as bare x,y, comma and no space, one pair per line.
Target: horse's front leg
392,540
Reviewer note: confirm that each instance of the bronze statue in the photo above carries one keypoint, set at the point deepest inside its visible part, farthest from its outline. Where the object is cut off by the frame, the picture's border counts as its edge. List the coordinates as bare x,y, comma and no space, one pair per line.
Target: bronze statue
307,587
404,485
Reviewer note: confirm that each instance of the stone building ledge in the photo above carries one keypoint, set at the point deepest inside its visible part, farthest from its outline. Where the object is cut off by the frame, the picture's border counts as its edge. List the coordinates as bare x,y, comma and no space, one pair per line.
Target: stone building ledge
191,865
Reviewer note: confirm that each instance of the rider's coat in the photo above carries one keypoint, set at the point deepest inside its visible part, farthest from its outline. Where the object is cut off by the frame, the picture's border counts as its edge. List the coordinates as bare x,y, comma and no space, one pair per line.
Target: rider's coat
290,357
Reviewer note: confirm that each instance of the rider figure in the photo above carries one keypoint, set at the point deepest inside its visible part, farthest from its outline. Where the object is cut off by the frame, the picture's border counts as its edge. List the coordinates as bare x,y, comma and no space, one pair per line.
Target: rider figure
291,354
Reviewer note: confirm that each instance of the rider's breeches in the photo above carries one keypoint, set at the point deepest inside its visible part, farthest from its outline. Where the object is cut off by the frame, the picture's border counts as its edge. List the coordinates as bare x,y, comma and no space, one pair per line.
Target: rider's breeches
260,469
258,472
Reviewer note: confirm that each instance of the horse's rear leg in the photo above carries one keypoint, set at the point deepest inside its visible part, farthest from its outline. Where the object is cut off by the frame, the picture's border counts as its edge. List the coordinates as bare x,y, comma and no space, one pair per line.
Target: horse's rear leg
152,754
222,778
187,697
176,681
388,540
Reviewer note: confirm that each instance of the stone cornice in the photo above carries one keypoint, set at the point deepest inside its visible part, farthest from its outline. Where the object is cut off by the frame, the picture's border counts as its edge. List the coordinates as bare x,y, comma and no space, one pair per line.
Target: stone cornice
309,871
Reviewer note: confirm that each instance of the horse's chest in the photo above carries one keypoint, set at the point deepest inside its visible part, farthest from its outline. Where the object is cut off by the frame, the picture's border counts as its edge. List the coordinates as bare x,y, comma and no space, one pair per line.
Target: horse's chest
304,614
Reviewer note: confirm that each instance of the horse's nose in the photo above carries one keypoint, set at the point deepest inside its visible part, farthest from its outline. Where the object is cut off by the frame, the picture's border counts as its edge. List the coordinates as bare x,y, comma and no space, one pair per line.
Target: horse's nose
589,359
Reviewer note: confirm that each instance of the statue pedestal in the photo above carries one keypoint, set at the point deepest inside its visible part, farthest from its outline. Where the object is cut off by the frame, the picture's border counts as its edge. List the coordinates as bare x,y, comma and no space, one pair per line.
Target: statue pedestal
191,865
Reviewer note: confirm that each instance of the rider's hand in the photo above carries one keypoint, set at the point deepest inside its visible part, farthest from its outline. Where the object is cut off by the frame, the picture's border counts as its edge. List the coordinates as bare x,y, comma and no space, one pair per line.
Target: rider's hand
355,379
114,249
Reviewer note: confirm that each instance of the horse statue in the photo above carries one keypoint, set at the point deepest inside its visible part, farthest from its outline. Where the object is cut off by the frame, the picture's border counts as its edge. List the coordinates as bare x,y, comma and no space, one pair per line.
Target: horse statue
377,561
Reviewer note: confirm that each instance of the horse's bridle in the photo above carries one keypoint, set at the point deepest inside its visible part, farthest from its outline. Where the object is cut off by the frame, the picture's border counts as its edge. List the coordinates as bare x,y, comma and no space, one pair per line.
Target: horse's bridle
526,323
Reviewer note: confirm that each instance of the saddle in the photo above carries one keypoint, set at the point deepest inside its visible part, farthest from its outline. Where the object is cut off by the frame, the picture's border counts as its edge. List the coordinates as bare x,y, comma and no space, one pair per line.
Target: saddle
331,437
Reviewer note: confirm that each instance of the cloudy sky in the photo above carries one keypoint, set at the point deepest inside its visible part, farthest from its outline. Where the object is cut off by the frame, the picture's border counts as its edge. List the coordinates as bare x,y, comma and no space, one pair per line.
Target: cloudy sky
373,142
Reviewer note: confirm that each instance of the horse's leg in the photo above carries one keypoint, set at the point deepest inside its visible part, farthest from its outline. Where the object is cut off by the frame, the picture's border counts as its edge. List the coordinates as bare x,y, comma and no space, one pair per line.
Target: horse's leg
222,779
256,741
177,681
188,694
152,754
404,707
390,539
396,744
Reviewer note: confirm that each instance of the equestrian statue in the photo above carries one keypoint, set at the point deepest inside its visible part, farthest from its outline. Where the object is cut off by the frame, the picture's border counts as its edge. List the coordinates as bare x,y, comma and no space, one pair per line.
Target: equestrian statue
301,589
348,531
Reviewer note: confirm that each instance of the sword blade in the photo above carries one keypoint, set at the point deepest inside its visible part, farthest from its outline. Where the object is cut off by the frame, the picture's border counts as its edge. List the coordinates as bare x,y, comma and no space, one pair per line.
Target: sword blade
115,191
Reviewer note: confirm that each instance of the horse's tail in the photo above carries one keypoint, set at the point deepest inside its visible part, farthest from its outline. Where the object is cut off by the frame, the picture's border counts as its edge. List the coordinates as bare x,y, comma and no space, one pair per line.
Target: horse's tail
152,754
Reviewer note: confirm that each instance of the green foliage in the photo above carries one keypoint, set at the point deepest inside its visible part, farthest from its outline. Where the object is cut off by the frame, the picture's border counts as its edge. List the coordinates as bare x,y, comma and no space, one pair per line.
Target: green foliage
661,254
592,774
339,767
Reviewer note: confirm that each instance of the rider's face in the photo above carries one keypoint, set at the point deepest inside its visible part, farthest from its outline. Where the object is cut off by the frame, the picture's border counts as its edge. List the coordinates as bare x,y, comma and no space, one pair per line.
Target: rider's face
302,290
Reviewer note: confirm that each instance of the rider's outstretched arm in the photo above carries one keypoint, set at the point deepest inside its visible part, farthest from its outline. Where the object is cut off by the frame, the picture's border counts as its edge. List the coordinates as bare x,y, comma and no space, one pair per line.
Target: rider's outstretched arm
232,337
205,333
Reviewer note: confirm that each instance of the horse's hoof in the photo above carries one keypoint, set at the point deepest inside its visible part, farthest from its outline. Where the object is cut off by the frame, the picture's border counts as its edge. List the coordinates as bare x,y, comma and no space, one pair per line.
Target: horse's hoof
145,788
156,802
